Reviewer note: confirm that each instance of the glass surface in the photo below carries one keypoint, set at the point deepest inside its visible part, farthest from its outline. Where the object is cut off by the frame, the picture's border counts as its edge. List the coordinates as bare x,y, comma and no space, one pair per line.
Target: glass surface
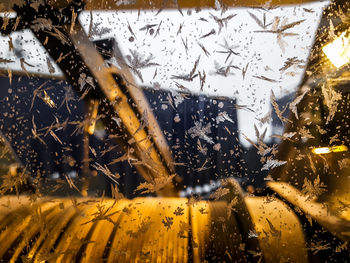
174,103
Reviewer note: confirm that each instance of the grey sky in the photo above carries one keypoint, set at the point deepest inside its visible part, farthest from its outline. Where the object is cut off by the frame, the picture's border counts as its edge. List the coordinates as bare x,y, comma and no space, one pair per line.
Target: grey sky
261,51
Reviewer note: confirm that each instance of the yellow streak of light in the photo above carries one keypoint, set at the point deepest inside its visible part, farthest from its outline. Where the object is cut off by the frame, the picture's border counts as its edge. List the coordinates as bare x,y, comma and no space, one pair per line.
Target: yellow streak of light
325,150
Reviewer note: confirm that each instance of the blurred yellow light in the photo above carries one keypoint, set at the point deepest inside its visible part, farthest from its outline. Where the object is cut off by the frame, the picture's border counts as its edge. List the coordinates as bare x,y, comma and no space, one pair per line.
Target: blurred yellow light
321,150
341,148
48,100
93,115
91,127
338,51
324,150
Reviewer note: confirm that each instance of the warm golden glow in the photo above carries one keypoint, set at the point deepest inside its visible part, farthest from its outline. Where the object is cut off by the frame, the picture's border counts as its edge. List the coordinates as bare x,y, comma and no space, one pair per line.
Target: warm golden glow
341,148
93,115
325,150
91,127
338,51
48,100
321,150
